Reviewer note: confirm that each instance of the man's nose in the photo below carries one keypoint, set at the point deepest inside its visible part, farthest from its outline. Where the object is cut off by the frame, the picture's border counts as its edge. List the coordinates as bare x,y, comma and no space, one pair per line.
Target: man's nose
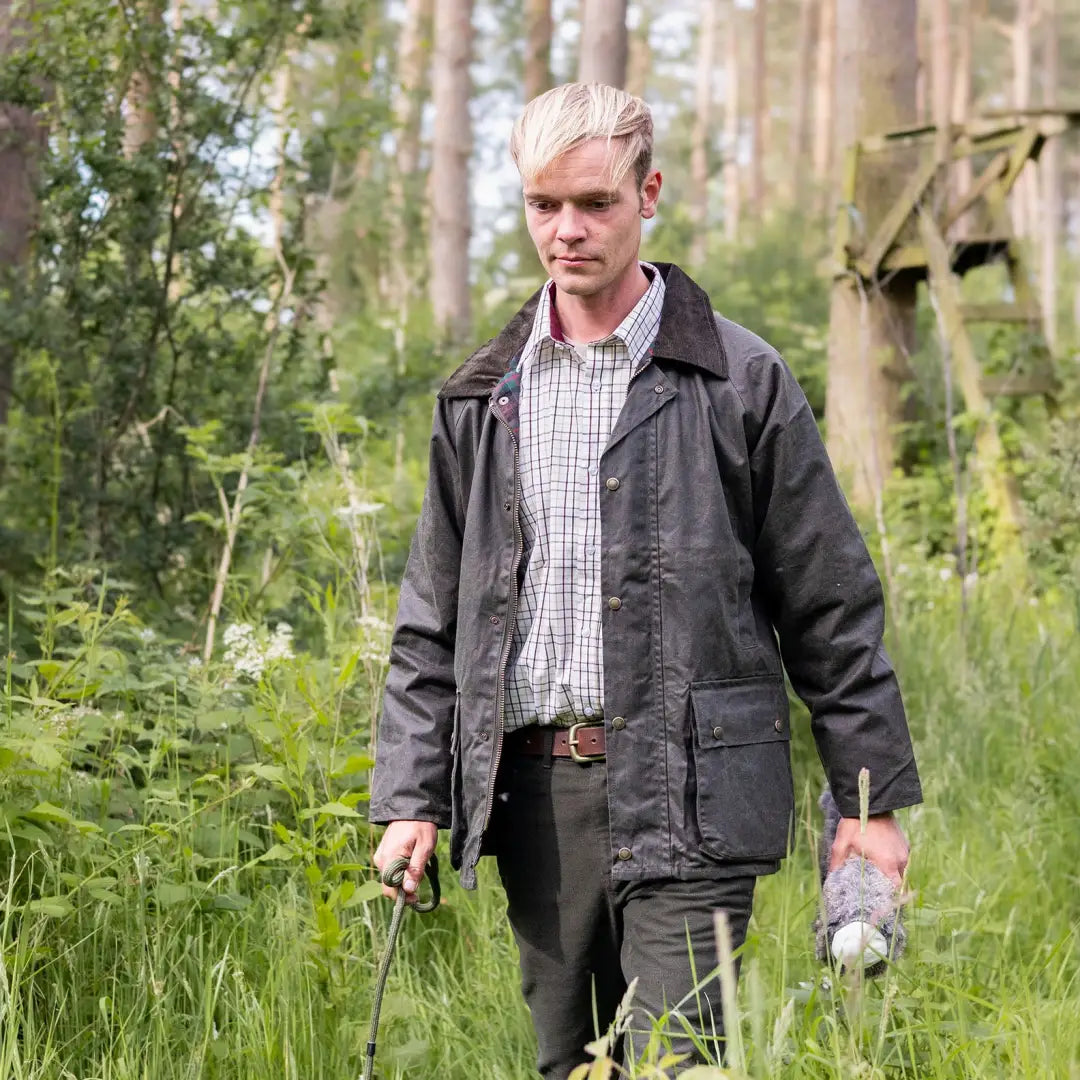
571,225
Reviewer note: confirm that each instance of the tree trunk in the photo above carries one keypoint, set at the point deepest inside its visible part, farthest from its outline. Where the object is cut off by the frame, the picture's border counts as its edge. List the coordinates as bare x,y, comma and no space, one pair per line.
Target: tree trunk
1053,210
871,324
408,104
22,140
941,76
702,134
803,87
1025,195
963,169
639,63
761,110
604,44
825,95
732,192
451,146
140,114
538,28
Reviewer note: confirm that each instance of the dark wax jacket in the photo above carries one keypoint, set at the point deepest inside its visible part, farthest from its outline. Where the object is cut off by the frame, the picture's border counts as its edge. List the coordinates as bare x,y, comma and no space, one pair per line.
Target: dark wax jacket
726,547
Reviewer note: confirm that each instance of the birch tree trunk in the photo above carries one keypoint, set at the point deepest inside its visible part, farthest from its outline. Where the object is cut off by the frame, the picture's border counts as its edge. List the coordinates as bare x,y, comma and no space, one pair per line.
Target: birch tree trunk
702,134
803,90
761,110
604,43
538,29
871,325
140,115
732,192
451,146
22,140
1050,168
825,94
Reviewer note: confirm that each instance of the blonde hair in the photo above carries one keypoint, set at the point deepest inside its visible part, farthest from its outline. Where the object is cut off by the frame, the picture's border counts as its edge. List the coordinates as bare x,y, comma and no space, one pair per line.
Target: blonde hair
574,113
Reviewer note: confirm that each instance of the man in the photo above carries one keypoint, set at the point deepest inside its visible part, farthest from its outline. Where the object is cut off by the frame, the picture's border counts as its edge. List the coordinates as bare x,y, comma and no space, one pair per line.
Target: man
629,519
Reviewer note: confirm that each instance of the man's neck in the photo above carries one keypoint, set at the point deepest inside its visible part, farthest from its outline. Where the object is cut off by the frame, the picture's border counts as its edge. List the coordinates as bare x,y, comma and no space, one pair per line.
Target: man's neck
592,318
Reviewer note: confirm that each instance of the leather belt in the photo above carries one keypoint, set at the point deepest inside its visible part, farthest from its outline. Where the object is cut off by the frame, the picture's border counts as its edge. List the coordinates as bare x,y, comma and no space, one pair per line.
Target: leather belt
581,742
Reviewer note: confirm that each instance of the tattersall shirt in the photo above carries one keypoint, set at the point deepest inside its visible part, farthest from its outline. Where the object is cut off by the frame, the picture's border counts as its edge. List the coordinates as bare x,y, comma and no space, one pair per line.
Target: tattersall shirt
569,405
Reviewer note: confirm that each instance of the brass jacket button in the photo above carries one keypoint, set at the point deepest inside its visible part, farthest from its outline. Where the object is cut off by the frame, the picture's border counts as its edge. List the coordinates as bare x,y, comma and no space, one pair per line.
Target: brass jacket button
612,483
614,603
625,853
618,723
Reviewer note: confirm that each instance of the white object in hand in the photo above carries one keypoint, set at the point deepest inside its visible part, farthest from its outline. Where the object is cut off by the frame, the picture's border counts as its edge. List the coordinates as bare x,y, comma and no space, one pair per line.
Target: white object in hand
859,942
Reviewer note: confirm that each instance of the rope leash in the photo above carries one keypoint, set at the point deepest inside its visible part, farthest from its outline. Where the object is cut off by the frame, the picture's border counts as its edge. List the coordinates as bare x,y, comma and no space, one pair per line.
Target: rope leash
393,875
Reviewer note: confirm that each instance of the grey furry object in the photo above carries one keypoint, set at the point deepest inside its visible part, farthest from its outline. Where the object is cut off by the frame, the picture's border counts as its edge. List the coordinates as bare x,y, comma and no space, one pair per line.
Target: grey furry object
855,892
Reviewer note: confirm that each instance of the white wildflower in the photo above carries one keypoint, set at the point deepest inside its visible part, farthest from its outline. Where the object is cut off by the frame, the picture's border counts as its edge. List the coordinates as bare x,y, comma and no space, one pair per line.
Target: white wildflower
357,509
280,647
944,573
146,634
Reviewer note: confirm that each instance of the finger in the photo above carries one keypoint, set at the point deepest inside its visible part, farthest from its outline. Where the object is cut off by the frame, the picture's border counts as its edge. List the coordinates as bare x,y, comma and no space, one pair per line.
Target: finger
421,852
838,855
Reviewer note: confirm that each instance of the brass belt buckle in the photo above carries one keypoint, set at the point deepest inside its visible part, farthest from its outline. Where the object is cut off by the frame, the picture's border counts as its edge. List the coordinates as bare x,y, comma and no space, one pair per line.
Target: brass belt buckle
572,743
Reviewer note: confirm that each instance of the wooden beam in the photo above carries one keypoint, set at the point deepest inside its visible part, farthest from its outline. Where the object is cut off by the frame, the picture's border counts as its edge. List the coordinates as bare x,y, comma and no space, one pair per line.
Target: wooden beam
894,220
1003,313
977,190
997,481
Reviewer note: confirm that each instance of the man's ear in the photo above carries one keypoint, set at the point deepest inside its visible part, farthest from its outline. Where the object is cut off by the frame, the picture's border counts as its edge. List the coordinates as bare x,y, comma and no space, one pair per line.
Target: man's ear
650,194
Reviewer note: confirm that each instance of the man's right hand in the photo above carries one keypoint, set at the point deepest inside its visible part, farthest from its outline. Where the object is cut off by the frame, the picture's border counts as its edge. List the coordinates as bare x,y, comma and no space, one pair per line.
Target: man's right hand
412,840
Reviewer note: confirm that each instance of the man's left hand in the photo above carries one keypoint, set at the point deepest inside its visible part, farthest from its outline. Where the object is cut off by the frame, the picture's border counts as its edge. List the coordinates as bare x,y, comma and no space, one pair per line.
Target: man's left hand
883,843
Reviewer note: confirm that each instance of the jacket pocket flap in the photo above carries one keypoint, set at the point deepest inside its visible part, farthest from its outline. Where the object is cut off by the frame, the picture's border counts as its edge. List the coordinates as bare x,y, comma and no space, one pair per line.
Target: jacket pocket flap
740,712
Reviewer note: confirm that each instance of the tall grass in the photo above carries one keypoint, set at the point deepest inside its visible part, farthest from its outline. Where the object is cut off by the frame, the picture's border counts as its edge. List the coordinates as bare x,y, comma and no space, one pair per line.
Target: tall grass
167,953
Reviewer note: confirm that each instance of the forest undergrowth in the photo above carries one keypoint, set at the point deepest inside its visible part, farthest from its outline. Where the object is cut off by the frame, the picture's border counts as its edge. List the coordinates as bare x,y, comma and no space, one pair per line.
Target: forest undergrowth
188,890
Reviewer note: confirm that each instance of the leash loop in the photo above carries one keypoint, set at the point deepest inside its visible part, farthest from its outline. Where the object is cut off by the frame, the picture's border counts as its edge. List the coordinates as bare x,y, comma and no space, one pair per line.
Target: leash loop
393,874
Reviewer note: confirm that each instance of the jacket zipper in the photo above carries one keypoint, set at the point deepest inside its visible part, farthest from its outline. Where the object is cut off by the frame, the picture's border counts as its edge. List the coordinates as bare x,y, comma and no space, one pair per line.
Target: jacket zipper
508,633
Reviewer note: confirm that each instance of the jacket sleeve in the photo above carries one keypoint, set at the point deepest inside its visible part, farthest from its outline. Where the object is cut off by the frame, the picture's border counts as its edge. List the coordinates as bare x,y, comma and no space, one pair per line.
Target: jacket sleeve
411,778
825,598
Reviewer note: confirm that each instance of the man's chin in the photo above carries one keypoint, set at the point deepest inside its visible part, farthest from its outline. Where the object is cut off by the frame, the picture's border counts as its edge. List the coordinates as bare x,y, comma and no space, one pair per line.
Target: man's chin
576,281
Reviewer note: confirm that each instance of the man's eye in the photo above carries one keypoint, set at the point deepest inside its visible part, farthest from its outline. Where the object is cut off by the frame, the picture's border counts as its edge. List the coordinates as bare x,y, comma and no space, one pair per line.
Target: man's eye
542,207
600,204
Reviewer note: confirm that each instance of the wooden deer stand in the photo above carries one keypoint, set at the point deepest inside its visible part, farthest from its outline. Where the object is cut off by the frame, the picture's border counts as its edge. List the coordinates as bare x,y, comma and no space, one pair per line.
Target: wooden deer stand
934,233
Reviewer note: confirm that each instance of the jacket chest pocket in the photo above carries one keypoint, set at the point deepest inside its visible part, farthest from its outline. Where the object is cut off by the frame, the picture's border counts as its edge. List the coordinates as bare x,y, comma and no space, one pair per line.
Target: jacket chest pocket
742,769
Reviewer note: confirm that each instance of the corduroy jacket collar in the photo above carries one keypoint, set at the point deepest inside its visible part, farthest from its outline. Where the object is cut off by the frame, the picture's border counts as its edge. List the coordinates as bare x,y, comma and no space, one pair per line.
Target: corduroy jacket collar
687,335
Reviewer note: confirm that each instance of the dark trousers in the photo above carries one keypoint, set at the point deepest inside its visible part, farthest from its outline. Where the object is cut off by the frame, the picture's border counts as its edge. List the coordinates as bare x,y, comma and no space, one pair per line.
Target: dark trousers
583,937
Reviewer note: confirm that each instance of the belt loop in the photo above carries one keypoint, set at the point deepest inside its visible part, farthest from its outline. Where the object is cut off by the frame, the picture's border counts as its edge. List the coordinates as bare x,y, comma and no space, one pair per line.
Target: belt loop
549,745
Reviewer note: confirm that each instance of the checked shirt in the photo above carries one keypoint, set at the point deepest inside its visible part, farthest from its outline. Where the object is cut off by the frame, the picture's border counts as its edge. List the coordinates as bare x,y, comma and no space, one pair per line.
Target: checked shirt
571,396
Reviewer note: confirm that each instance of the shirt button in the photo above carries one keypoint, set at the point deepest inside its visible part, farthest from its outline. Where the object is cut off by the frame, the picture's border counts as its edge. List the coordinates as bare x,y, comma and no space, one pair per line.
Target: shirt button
593,470
587,712
625,853
614,603
718,732
596,385
618,723
612,483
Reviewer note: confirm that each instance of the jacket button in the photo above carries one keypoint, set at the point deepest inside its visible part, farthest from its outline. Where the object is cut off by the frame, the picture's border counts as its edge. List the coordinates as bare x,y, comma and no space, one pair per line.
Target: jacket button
612,483
718,732
779,725
625,853
614,603
618,723
494,620
485,736
508,506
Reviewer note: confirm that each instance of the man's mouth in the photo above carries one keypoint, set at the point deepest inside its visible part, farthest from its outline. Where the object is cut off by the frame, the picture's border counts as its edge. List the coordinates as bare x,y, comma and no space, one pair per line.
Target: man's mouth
572,260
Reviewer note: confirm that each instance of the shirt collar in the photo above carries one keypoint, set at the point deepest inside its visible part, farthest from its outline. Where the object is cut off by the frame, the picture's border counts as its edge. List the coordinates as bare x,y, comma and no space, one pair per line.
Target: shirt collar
637,331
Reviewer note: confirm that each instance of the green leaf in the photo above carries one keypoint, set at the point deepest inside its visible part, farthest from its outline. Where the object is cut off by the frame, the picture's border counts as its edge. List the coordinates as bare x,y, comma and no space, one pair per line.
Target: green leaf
168,894
330,809
106,896
274,773
55,907
277,853
370,890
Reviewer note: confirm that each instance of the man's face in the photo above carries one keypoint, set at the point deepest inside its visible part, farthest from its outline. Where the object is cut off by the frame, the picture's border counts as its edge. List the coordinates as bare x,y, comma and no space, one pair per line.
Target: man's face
586,232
